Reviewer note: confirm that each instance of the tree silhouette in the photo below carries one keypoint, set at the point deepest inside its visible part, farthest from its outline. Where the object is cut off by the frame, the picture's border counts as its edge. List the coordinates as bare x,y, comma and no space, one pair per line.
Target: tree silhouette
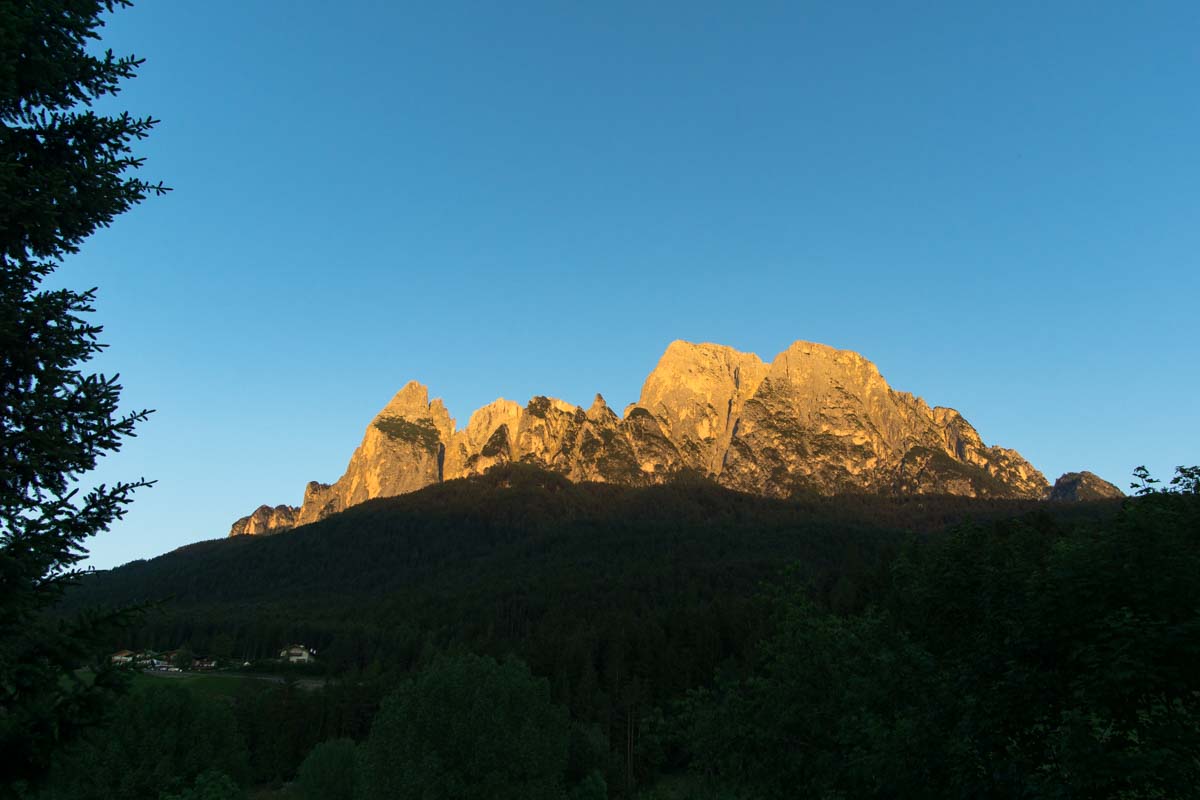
64,172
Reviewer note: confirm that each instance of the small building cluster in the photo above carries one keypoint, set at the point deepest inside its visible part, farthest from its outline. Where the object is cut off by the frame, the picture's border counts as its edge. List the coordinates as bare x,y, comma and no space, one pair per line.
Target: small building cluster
169,661
161,662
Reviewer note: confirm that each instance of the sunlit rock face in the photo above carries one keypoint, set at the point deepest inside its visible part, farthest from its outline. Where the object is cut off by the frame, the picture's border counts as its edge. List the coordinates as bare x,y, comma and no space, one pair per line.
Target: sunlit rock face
265,519
825,420
402,450
816,419
1082,487
698,393
485,442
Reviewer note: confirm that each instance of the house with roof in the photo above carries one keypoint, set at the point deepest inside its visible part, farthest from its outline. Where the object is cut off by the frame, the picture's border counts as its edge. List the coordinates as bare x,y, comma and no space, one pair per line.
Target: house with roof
145,659
296,654
122,657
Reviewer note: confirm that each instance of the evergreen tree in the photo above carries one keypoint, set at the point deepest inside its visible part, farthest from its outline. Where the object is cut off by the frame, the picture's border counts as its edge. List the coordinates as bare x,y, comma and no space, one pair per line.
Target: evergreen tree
330,771
161,739
65,171
469,727
211,785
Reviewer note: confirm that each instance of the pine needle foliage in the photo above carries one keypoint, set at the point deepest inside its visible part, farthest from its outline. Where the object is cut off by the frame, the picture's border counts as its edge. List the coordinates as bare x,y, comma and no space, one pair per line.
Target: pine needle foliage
65,171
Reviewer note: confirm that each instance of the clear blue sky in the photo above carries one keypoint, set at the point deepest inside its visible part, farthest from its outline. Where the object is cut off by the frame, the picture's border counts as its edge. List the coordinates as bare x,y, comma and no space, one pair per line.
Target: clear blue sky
999,206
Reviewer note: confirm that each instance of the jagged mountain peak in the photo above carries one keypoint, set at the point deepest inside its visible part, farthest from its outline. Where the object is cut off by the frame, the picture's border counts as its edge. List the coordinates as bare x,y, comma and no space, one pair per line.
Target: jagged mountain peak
599,410
813,366
697,392
696,367
813,419
486,419
412,401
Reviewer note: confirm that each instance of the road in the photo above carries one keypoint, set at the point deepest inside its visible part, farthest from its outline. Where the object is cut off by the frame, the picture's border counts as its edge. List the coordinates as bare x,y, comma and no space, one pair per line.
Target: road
308,684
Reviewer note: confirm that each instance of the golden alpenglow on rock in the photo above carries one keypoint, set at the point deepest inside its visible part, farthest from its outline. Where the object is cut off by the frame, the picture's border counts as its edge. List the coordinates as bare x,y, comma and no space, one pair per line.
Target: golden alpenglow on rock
816,419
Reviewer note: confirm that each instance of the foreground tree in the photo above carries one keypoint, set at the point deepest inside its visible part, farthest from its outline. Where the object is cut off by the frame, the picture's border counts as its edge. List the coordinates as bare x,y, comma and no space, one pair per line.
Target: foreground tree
837,707
211,785
64,172
161,739
330,771
468,727
1035,657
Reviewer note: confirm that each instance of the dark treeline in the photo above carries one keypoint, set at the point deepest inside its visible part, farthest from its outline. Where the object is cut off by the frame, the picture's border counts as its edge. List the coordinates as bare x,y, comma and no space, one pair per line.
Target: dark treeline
919,647
625,598
1032,657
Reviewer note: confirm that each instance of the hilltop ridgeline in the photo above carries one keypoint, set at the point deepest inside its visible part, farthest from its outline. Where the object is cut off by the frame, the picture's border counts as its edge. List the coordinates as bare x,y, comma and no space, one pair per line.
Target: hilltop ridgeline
815,419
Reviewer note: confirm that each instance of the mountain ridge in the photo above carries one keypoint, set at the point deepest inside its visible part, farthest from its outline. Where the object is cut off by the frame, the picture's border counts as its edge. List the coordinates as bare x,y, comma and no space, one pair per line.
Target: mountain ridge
814,419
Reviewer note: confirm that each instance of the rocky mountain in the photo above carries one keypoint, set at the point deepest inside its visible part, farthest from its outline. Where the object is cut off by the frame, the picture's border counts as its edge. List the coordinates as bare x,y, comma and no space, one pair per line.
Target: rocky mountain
815,419
265,520
1082,487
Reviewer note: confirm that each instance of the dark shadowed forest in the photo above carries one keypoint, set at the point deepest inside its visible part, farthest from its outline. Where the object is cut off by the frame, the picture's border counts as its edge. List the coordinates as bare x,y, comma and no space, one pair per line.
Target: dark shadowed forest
688,641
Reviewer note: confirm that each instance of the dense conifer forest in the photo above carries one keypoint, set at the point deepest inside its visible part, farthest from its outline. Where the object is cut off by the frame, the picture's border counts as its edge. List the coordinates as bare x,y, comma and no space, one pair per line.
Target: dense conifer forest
702,643
601,587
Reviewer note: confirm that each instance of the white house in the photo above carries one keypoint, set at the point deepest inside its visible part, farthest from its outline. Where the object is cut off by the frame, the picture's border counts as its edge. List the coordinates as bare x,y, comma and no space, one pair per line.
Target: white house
296,654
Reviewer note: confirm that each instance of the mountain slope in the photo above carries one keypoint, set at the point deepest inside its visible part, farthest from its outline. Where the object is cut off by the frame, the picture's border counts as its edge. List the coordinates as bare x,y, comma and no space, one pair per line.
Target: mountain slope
520,559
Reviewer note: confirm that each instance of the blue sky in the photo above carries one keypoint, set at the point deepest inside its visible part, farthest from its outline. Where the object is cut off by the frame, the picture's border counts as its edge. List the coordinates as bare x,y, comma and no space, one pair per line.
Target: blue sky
998,206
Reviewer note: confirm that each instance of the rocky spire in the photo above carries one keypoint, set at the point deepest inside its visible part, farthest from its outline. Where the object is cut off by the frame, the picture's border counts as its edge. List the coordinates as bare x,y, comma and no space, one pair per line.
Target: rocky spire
600,412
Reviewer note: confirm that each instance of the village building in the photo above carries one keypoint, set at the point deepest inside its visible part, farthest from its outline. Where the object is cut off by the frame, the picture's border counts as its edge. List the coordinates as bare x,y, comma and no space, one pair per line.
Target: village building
121,657
296,654
144,658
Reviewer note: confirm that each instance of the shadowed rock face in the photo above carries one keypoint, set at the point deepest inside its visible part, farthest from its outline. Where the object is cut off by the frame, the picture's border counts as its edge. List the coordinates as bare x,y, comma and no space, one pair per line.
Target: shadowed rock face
815,419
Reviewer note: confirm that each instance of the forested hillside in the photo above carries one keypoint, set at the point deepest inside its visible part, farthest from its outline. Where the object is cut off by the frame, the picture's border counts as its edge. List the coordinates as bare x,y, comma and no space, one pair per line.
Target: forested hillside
524,560
703,643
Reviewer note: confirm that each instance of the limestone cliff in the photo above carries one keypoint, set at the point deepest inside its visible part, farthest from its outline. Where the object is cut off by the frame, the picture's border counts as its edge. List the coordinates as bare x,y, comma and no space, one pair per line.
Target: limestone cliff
402,450
698,393
265,519
815,419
